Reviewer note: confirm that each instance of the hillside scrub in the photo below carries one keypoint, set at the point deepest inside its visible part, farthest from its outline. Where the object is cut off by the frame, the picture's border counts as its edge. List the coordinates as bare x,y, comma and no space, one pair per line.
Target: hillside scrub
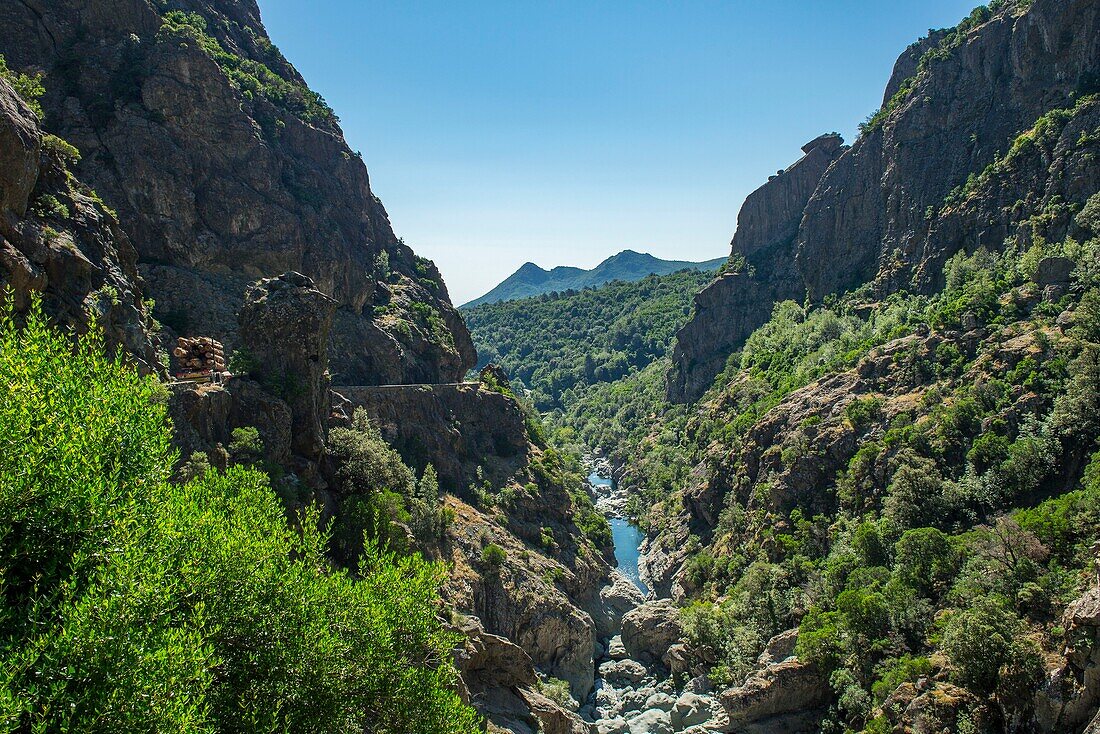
134,603
963,496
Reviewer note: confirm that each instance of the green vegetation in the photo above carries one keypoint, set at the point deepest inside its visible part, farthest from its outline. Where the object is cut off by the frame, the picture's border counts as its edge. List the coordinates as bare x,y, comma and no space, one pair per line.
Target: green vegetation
956,498
135,603
28,87
559,344
254,78
380,493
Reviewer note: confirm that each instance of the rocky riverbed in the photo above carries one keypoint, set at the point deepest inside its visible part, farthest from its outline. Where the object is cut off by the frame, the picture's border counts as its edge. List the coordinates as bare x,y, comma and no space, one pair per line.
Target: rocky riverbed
641,686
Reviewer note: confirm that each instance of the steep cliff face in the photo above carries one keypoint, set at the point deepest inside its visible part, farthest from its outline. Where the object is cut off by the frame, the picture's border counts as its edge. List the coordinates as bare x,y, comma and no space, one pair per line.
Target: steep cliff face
955,104
225,167
57,239
740,300
971,96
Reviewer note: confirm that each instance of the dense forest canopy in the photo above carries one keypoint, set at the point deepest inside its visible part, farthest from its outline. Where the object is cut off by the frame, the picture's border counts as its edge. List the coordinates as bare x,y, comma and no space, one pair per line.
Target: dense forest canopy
560,343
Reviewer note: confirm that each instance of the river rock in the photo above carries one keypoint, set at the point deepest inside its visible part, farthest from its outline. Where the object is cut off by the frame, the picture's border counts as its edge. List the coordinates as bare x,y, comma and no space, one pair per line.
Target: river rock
649,630
653,721
622,672
660,700
615,648
790,688
691,709
617,598
635,700
616,725
552,718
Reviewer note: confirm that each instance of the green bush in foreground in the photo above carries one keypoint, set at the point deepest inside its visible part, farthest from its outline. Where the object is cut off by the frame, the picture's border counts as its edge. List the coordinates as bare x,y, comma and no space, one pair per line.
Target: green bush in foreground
135,604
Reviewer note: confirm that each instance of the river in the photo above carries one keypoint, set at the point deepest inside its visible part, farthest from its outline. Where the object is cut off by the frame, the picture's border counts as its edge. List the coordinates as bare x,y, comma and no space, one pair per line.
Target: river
625,536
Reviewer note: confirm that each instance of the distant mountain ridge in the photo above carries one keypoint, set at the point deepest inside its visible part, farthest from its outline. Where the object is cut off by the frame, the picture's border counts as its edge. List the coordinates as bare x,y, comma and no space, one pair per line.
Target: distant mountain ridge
531,280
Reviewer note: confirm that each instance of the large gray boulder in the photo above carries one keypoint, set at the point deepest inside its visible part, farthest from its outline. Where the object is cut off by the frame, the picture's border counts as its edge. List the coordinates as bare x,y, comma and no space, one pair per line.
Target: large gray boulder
653,721
791,688
649,630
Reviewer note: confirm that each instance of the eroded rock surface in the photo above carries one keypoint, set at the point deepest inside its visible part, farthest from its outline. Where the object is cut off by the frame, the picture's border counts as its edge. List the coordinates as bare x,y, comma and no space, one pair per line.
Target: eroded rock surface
892,208
284,328
217,186
59,240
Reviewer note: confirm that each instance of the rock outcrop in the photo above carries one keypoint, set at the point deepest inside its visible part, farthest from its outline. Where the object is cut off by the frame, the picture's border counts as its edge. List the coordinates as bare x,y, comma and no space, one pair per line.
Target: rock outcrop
928,706
284,330
499,680
1071,695
58,239
741,299
224,168
458,429
892,208
784,696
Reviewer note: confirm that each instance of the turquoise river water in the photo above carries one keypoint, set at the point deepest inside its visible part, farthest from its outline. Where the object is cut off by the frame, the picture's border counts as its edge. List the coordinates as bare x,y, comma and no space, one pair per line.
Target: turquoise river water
626,538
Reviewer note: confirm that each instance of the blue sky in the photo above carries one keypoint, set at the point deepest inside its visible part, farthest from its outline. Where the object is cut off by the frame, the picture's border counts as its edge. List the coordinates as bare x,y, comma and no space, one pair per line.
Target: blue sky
563,132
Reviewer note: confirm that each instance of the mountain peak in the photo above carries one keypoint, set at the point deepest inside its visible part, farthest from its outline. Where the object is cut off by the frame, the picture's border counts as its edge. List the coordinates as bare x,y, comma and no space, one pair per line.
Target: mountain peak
532,280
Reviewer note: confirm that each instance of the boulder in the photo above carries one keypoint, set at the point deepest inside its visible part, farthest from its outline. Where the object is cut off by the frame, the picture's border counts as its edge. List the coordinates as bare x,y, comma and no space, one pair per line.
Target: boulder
491,661
284,327
622,672
779,648
649,630
616,725
617,598
653,721
1054,271
660,700
552,718
784,689
691,709
615,648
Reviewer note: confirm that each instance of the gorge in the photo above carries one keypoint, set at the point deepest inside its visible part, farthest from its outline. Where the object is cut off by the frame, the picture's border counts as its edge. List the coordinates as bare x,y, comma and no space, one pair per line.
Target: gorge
848,480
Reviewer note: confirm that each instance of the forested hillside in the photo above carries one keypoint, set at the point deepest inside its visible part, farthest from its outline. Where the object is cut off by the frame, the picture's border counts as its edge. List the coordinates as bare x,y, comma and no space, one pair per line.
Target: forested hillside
559,344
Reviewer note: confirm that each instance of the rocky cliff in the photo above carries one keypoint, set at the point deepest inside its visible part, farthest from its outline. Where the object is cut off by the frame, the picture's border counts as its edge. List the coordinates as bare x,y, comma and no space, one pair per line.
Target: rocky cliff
225,167
759,274
58,239
956,103
542,592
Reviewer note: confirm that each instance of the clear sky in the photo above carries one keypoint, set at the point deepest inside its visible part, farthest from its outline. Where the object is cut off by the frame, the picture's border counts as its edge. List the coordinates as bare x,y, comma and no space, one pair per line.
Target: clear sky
563,131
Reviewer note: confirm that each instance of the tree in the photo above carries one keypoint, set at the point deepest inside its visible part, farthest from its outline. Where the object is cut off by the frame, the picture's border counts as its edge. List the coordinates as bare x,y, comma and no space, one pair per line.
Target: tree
915,496
132,603
926,560
978,642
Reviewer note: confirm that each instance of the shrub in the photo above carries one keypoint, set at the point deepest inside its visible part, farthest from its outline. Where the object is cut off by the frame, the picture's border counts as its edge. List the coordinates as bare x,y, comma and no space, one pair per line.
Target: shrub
926,560
136,604
493,557
863,411
246,446
978,641
28,87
